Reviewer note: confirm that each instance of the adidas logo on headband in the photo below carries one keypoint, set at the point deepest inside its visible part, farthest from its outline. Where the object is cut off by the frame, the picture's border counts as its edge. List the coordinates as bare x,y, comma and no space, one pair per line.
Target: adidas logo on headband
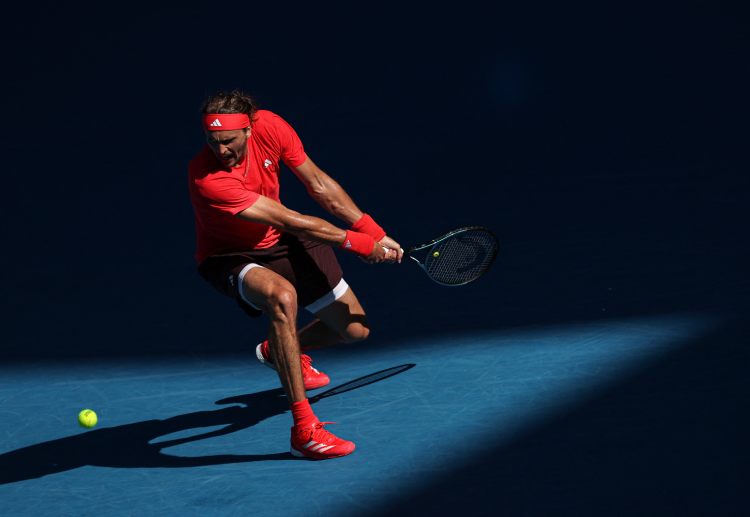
225,121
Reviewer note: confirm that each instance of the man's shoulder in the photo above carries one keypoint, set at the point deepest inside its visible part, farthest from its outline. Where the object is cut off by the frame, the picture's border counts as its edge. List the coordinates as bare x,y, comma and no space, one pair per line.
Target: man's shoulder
265,117
203,162
268,121
270,129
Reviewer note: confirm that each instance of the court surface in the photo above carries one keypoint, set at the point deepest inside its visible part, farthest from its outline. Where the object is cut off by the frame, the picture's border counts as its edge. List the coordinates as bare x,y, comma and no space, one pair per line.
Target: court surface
600,369
582,418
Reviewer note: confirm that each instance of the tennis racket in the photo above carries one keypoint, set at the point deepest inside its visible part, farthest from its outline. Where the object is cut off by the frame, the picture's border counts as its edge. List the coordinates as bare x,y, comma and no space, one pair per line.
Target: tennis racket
458,257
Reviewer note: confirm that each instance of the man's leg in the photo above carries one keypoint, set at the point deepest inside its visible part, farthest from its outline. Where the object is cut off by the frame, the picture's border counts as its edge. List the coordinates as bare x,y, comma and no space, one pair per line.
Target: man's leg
264,288
342,321
278,298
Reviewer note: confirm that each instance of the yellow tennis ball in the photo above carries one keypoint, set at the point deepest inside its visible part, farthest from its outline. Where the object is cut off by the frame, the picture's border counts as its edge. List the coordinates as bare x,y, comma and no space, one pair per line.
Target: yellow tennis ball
436,254
87,418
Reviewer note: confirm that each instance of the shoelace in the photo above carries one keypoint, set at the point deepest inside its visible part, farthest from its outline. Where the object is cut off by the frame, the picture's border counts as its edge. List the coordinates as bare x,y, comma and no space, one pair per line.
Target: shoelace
318,431
306,361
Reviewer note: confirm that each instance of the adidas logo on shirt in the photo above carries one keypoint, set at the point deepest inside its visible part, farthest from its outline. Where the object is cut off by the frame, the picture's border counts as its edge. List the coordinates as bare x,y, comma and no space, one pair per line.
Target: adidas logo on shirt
348,244
215,123
266,163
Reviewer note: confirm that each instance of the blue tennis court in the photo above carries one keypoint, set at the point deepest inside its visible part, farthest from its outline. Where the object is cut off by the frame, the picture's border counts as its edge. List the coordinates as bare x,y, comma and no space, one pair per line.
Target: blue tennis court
598,369
209,435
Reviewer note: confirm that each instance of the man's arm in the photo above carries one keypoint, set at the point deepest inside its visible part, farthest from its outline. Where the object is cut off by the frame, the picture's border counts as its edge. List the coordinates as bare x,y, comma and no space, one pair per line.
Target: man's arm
334,199
327,192
267,211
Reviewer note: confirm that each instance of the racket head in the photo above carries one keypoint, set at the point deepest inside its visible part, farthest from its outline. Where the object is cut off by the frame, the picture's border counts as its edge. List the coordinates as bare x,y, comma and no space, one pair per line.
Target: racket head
458,257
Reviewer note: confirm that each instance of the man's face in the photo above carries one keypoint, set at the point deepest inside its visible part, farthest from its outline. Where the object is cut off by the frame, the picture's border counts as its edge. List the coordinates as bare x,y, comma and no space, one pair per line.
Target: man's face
229,147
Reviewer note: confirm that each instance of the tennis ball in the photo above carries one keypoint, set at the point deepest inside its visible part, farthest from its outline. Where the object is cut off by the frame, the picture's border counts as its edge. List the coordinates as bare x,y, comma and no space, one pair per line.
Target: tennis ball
435,254
87,418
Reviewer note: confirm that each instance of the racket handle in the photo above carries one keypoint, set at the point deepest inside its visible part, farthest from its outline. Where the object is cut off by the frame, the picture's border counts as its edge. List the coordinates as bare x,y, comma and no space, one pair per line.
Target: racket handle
387,249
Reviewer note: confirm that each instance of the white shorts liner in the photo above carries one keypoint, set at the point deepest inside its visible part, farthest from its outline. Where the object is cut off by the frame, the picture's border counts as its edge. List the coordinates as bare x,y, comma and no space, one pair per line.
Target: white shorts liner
319,304
327,299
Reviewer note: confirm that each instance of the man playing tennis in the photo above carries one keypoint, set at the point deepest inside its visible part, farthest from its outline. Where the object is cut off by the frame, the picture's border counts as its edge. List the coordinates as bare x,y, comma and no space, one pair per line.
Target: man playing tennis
272,259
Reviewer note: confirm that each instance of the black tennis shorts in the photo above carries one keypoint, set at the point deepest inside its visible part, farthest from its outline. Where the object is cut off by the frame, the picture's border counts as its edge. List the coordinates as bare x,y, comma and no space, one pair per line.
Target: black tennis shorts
311,267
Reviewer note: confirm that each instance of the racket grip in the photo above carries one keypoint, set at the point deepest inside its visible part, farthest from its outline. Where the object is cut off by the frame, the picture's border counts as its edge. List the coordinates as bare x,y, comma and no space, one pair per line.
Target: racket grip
387,249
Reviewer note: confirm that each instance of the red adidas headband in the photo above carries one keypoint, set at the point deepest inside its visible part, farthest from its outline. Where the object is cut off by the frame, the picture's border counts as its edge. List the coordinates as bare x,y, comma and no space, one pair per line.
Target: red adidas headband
225,121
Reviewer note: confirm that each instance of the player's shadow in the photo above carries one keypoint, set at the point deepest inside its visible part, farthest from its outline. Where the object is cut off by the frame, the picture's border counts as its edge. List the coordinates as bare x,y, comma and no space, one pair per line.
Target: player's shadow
134,446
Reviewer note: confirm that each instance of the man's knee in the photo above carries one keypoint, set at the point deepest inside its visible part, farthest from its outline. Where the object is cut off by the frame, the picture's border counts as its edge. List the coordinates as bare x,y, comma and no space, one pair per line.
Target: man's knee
356,332
282,302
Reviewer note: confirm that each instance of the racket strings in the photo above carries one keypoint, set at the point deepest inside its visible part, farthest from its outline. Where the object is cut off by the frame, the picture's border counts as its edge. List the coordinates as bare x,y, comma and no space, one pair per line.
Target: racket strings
461,258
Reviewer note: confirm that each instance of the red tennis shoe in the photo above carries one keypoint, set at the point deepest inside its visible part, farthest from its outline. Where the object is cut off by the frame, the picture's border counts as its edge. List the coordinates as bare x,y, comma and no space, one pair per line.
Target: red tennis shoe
312,378
317,443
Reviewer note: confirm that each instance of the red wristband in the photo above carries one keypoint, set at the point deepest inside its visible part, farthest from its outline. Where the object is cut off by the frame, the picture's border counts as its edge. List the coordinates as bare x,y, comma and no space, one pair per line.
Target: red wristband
358,243
365,224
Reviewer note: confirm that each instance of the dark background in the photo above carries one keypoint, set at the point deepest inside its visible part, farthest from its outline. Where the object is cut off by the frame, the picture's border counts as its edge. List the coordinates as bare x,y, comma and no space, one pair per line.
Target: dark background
607,148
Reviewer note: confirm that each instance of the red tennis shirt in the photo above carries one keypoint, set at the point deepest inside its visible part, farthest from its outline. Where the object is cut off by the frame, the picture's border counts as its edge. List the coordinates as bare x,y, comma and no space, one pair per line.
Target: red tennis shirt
218,193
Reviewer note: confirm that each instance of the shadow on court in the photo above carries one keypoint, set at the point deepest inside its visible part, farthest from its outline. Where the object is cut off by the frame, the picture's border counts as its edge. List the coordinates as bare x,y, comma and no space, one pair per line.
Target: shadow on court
133,446
670,440
128,446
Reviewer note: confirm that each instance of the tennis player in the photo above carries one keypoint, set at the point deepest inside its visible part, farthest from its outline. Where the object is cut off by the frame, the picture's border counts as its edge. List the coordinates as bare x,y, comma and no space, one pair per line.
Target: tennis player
271,259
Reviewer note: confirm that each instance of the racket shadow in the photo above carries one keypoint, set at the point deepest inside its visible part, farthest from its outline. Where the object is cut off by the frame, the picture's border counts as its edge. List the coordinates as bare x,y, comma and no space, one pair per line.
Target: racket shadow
362,381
